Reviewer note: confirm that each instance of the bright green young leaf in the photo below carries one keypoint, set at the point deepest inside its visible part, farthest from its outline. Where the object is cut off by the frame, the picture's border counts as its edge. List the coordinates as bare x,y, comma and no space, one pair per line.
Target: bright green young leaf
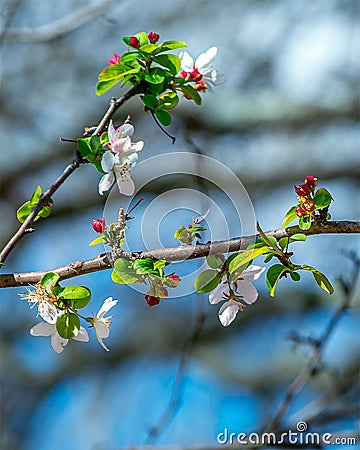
189,91
320,278
215,262
322,198
273,275
304,223
289,217
129,58
243,258
168,101
149,48
49,280
298,237
259,242
79,296
124,272
97,241
207,281
163,117
143,38
172,45
160,264
171,62
68,325
156,76
36,196
269,257
83,145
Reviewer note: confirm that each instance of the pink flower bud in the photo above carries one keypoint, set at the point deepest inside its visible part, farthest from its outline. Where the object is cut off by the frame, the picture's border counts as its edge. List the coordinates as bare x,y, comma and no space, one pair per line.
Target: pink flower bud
301,212
134,42
308,205
174,280
311,182
99,225
195,75
151,300
303,190
153,37
115,59
183,74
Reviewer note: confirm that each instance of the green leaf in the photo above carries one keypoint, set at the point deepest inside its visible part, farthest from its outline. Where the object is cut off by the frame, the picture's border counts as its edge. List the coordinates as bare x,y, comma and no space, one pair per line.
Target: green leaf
36,196
189,91
322,198
97,241
149,48
304,222
49,280
171,62
129,58
160,264
111,75
143,38
172,45
298,237
79,296
156,76
215,262
68,325
24,211
273,276
289,217
83,145
207,281
320,278
242,258
268,257
150,101
168,101
124,272
259,242
163,117
295,276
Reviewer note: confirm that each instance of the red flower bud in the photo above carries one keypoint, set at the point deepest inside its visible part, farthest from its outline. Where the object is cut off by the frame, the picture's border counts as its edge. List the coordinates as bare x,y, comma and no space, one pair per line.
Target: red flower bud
134,42
195,75
115,59
308,205
311,182
174,280
99,225
151,300
303,190
301,212
183,74
200,86
153,37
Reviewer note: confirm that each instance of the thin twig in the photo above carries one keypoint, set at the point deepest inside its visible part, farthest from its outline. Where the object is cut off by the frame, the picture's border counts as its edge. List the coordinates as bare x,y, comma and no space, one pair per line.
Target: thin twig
181,253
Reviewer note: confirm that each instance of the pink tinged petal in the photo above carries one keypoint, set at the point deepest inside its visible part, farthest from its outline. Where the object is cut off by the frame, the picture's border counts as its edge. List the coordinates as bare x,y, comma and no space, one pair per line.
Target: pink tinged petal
42,329
252,273
206,59
126,185
106,306
48,311
217,295
227,312
58,343
247,291
82,336
124,130
107,161
111,132
187,63
106,182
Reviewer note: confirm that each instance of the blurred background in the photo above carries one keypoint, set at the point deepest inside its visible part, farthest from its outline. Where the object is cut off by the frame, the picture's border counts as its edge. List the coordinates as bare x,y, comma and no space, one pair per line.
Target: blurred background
174,377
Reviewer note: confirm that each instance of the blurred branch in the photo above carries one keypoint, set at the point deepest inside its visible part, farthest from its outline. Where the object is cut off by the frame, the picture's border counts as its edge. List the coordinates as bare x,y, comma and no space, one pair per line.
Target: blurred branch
60,27
180,253
318,345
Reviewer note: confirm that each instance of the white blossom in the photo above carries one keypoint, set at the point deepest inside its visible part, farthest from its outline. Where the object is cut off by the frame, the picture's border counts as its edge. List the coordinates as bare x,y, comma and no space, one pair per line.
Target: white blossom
102,324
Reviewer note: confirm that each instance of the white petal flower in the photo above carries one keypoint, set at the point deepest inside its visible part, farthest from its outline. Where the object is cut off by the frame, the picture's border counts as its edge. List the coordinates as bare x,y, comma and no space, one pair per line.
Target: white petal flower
46,308
228,311
102,324
57,342
220,293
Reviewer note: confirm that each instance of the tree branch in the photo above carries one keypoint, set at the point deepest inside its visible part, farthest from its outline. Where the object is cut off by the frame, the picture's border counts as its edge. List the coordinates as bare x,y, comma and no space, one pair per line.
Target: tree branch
180,253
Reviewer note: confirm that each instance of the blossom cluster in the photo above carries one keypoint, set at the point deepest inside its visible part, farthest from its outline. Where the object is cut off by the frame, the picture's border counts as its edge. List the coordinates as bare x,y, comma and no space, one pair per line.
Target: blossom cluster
305,191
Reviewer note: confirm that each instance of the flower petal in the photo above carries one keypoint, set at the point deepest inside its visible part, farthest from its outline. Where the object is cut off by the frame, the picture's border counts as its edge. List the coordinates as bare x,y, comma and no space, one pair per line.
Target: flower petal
124,130
43,329
102,330
106,182
205,60
217,295
137,146
121,145
58,343
187,63
126,185
106,306
252,273
82,336
107,162
227,312
247,291
111,132
101,343
48,311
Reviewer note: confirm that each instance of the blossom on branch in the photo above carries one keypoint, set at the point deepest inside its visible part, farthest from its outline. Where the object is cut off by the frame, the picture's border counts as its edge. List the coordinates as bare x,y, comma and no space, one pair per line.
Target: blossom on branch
201,71
102,324
119,160
57,342
46,308
240,291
